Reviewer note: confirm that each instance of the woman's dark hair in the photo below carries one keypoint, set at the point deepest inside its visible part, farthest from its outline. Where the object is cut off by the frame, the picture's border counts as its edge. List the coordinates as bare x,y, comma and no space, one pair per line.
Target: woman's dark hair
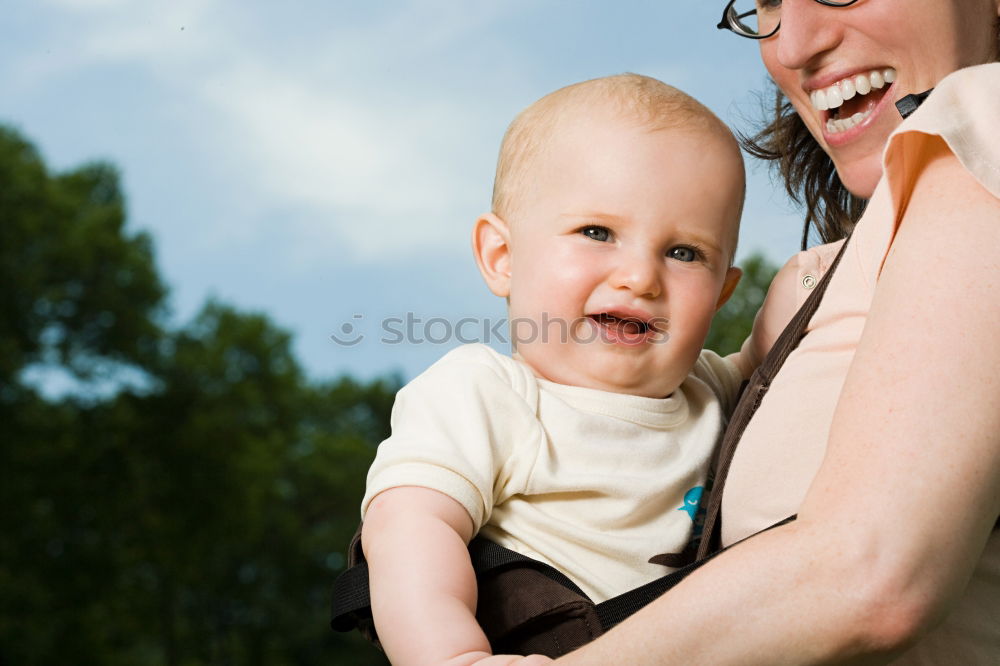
809,175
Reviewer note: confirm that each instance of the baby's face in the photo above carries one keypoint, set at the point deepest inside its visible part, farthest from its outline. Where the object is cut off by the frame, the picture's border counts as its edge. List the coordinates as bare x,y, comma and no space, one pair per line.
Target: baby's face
620,254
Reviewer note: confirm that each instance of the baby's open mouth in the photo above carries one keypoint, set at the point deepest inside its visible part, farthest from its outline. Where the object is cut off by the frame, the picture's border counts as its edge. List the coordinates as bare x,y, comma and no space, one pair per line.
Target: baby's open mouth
627,325
850,101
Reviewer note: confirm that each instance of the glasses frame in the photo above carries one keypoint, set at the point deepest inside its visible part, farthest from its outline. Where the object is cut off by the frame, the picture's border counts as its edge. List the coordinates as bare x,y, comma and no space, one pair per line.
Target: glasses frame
731,20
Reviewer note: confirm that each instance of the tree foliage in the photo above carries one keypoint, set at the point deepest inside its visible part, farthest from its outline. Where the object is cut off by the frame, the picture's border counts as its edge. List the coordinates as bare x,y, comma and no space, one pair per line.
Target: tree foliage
78,290
197,516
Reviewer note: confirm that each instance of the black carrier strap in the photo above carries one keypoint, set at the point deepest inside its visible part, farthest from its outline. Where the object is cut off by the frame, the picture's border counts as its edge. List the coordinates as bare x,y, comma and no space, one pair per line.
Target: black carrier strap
525,606
351,607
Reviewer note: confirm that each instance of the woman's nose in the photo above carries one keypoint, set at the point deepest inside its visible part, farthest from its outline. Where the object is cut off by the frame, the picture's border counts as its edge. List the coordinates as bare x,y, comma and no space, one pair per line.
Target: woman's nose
808,29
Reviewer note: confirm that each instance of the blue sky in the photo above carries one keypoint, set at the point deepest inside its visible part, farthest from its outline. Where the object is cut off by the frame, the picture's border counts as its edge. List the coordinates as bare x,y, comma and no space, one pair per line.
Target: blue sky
323,160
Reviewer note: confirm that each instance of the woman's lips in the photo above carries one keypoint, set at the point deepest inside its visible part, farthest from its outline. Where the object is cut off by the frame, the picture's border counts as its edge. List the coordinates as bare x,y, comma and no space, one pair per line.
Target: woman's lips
851,100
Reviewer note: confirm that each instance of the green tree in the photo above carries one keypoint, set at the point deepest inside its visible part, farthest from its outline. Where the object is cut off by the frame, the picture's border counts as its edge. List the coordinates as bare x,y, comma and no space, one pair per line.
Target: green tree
78,290
79,293
249,483
196,516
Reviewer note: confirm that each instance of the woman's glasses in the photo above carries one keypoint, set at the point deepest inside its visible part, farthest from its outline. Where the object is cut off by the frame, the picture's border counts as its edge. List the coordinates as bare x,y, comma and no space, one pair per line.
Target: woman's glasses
759,19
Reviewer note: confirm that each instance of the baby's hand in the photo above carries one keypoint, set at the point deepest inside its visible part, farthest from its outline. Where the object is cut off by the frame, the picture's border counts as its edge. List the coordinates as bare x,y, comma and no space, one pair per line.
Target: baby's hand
484,659
513,660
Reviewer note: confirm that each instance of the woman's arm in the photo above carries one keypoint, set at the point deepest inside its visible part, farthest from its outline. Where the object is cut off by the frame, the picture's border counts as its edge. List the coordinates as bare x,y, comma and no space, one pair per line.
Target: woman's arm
907,495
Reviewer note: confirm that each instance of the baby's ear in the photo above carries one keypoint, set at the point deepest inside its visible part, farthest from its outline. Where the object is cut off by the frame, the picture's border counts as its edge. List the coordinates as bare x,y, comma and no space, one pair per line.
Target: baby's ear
491,247
733,276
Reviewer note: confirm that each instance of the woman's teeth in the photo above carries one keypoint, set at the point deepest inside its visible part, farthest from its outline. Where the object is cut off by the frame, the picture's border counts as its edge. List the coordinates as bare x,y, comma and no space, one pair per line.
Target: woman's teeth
862,84
834,125
834,96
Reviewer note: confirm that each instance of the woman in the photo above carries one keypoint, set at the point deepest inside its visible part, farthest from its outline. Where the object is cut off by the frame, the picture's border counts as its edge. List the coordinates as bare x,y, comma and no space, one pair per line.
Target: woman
882,430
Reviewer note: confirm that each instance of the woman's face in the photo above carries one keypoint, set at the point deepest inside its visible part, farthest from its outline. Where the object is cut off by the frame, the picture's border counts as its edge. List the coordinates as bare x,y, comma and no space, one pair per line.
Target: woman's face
823,55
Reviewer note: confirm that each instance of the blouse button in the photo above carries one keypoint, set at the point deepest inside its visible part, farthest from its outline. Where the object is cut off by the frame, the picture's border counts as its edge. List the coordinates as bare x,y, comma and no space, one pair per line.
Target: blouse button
808,280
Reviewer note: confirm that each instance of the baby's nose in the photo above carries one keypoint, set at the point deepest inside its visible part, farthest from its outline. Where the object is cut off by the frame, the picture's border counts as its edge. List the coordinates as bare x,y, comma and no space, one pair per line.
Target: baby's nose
639,275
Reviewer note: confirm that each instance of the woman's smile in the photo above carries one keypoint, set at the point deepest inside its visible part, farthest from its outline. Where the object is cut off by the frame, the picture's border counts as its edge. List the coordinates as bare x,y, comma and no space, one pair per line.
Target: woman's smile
845,124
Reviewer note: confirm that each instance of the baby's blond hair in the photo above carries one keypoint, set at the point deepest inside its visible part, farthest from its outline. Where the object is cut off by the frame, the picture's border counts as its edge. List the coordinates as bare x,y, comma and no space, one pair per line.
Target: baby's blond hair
648,101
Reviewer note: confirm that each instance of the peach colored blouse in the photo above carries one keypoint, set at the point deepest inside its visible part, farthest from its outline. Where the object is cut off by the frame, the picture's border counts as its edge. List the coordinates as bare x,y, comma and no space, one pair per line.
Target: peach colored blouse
783,446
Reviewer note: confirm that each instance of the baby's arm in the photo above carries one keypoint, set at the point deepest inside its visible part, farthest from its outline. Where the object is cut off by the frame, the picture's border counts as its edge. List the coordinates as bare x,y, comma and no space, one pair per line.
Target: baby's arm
778,308
423,588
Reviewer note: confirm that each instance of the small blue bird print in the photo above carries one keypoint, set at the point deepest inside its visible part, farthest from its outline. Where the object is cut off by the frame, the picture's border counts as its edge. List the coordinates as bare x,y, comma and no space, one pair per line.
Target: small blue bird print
691,500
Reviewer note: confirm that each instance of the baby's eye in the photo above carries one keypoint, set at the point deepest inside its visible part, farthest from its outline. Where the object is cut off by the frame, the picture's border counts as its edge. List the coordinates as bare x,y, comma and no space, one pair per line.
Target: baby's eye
683,253
596,233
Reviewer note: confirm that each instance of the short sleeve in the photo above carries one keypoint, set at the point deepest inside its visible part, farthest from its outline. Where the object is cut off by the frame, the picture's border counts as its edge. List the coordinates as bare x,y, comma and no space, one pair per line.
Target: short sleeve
812,265
964,111
454,429
721,375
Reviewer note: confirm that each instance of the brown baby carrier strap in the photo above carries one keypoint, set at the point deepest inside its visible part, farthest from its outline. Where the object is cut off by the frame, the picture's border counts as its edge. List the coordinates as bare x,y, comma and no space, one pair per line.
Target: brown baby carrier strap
750,399
524,606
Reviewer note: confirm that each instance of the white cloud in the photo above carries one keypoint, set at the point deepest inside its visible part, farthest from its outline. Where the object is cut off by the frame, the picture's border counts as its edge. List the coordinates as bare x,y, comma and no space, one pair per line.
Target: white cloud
330,126
381,173
88,5
357,128
77,35
261,142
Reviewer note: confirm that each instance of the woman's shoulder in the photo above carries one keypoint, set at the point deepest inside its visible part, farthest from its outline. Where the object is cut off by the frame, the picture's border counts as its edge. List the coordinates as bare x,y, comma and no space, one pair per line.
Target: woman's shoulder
964,112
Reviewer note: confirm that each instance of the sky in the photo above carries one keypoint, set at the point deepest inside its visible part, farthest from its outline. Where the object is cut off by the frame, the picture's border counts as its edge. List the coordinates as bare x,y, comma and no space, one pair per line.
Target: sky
323,160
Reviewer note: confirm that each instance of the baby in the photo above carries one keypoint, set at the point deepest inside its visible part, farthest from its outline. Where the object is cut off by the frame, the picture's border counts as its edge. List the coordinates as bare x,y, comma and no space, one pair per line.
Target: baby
615,218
